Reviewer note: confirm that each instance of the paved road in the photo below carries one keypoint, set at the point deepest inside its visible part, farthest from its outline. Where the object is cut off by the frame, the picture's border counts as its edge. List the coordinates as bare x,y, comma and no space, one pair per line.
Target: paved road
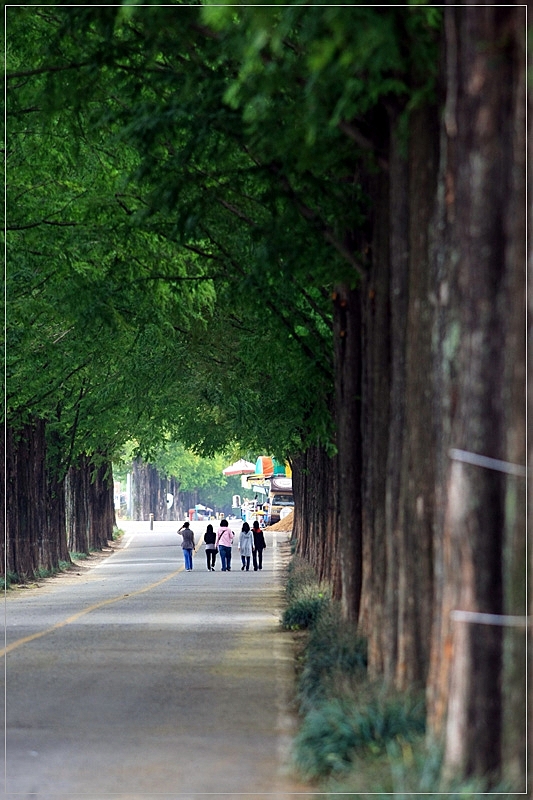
141,680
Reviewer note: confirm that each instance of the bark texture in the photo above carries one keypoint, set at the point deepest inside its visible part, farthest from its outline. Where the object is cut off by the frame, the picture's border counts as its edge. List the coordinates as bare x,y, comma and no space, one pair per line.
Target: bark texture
77,491
465,688
90,505
317,533
101,505
149,495
35,538
347,328
442,366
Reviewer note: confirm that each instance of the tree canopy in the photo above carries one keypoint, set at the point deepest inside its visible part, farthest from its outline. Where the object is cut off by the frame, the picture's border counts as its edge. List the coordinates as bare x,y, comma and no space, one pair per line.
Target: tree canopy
295,230
174,227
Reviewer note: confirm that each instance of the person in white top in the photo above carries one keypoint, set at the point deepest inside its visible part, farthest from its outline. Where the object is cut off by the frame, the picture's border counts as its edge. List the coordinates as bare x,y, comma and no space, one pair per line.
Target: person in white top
245,546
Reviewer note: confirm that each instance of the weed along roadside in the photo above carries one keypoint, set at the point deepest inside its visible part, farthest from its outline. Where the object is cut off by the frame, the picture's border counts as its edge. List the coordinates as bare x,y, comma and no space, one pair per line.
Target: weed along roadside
355,735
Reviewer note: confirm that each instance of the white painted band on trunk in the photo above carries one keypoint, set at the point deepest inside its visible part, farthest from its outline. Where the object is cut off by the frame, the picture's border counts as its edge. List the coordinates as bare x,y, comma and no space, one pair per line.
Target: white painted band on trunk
488,463
491,619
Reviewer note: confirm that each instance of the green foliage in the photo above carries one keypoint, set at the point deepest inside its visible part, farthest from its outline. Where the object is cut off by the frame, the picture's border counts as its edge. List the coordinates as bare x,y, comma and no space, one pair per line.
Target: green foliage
406,768
345,717
327,67
8,580
336,729
192,471
335,659
301,578
182,200
41,573
304,611
306,599
335,656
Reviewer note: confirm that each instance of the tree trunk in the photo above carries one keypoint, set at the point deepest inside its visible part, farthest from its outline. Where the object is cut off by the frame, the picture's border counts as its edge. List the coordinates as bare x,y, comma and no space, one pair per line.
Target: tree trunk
35,536
56,524
416,512
149,492
399,304
347,331
515,549
26,496
77,506
375,424
176,512
101,507
479,118
316,531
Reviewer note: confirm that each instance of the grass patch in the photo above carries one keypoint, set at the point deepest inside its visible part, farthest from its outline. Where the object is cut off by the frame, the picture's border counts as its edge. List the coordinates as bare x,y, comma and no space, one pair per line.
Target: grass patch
118,533
41,573
304,612
77,557
356,736
344,717
405,770
7,581
339,729
306,599
334,662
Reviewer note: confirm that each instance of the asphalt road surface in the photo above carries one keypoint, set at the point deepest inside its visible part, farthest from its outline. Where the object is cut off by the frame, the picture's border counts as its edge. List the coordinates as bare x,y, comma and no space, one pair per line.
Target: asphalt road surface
138,679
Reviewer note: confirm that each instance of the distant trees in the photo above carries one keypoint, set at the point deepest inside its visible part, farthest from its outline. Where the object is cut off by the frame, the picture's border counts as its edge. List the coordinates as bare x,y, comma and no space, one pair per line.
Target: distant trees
188,477
297,230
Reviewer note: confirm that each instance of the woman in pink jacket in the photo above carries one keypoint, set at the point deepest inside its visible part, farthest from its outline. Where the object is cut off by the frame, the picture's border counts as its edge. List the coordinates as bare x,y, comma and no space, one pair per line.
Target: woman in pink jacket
224,541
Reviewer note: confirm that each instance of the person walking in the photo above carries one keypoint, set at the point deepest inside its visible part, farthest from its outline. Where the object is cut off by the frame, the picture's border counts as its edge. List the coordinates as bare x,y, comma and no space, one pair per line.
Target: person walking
258,546
211,551
187,545
224,541
245,546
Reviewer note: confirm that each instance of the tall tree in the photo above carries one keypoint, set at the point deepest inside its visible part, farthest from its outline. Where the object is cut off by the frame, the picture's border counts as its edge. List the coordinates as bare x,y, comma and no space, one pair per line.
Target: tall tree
254,163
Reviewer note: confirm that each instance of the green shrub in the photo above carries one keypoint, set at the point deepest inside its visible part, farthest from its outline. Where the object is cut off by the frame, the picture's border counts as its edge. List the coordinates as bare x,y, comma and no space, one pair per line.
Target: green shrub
306,599
11,577
404,770
304,611
78,556
301,579
337,729
335,658
344,717
40,573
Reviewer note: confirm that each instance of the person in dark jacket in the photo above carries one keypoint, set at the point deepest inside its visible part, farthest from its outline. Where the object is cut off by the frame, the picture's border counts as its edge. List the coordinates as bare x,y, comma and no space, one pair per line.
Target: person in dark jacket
210,548
258,546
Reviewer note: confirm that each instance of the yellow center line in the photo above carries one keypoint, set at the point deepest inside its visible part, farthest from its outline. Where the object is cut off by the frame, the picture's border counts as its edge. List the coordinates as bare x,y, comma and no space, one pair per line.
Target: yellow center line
69,620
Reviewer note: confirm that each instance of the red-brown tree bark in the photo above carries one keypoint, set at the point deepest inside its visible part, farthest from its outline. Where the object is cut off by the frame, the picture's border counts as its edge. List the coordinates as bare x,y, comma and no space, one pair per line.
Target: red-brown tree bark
317,532
101,505
347,332
35,538
465,686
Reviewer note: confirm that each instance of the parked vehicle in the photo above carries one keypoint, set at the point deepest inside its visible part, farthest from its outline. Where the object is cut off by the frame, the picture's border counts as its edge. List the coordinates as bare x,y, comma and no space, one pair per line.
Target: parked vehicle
280,498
